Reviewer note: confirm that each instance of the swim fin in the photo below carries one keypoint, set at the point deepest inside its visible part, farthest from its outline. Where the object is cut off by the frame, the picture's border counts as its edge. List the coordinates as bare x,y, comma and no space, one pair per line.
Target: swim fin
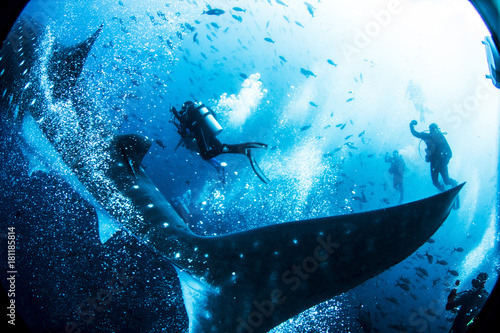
256,167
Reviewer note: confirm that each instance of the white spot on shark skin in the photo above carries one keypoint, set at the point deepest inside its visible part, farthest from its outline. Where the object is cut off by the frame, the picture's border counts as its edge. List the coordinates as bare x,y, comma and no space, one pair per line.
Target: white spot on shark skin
3,71
166,225
33,101
177,255
22,63
150,206
295,241
206,255
120,164
135,186
27,85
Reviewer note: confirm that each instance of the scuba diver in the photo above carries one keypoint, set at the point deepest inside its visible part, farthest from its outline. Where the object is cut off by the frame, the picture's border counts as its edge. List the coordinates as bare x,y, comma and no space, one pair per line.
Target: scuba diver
198,124
438,154
397,171
470,302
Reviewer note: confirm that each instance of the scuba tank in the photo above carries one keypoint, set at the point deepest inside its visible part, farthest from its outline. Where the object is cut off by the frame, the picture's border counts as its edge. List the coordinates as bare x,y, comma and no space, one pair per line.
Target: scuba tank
208,121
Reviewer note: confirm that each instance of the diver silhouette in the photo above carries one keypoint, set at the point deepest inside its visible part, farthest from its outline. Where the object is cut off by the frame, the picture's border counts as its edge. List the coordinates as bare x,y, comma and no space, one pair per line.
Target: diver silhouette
470,302
438,154
198,124
397,170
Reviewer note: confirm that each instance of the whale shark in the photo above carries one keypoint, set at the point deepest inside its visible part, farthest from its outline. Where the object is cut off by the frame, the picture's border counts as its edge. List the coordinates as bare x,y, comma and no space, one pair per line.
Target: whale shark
248,281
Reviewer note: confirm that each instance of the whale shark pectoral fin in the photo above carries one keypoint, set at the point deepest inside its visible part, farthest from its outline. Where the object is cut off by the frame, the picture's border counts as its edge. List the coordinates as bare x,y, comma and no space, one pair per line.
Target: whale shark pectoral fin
134,147
107,226
254,280
35,163
66,64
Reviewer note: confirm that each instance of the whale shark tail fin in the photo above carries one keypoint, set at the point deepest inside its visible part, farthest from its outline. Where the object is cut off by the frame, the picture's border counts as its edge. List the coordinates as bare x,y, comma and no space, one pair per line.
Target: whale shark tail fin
254,280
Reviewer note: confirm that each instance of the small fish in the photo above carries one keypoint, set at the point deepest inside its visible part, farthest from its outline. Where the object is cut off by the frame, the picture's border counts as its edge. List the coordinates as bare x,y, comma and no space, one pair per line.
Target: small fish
386,201
244,76
430,258
361,134
310,8
306,72
405,280
431,241
350,145
339,125
370,155
403,286
214,11
458,249
392,300
237,18
330,61
194,38
337,149
282,58
422,270
442,262
281,3
160,143
215,25
342,127
350,99
267,39
299,24
313,104
238,9
304,128
348,137
414,296
189,26
286,18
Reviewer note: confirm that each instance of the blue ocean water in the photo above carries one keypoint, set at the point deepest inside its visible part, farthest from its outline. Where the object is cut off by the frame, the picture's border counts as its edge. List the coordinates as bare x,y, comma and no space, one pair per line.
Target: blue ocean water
331,88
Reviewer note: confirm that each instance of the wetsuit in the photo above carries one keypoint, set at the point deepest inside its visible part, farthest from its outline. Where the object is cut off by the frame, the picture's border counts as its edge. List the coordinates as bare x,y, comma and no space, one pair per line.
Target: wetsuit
397,171
438,153
470,303
192,125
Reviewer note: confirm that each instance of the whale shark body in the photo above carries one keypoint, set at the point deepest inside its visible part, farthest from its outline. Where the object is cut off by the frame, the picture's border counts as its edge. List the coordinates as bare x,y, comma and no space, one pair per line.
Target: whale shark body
249,281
